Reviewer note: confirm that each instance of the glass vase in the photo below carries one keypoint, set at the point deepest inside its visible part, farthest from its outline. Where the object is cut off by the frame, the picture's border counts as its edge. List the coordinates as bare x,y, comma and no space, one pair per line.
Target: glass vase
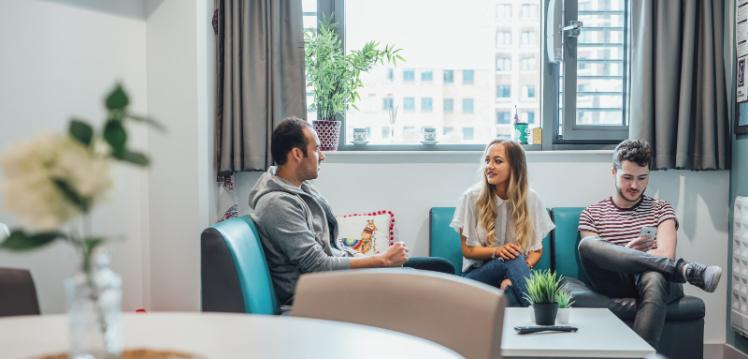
94,311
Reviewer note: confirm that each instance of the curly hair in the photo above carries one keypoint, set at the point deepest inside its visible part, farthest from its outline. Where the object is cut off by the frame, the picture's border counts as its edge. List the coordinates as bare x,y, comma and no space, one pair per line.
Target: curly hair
637,151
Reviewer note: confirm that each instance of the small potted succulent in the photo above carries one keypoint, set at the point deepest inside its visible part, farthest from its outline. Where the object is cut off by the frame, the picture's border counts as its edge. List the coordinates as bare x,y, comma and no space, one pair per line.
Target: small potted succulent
564,300
542,290
334,76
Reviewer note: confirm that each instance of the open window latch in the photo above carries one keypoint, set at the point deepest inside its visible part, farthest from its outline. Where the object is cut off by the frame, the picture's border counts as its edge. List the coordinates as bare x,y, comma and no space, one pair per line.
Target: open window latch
573,29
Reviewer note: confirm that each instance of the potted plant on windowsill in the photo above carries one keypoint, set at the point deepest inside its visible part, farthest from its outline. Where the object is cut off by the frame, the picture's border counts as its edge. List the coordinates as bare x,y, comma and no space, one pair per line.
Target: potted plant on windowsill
334,76
542,289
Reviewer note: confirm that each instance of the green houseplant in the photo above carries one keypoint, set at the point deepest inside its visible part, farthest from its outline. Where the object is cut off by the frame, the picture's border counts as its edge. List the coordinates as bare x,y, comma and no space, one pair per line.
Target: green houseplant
52,183
543,287
335,77
565,301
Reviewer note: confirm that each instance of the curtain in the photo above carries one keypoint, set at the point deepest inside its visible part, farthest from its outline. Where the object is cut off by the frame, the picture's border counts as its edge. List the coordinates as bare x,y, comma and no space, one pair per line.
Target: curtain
260,78
678,96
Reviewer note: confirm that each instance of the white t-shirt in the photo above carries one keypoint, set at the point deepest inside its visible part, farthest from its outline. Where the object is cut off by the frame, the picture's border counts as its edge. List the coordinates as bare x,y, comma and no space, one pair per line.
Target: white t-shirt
466,218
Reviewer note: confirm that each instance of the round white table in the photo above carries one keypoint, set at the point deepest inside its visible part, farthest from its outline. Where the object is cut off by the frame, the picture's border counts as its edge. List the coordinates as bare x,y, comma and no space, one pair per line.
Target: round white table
225,336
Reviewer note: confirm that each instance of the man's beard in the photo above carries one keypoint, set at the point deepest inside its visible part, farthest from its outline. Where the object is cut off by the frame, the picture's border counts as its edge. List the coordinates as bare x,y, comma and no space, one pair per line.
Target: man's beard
635,200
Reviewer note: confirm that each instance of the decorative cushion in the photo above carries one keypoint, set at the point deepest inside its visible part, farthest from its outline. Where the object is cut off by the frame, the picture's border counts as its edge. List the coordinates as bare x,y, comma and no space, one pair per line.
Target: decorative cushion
367,233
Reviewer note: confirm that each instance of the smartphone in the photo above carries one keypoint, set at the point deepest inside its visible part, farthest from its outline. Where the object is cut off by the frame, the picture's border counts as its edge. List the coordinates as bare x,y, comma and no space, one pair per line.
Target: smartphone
650,232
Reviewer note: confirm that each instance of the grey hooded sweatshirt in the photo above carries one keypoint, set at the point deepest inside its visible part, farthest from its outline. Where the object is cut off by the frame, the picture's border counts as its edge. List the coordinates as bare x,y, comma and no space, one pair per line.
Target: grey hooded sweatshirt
296,227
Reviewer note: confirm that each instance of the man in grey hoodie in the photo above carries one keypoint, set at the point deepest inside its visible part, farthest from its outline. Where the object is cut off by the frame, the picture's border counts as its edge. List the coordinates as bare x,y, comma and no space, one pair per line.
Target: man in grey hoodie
296,224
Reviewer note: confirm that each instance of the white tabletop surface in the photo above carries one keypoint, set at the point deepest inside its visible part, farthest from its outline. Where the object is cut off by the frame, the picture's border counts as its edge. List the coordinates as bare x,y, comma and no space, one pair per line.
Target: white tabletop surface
225,336
601,335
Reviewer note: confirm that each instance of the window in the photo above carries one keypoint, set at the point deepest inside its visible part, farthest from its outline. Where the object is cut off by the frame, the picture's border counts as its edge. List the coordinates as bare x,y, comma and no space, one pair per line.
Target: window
386,132
468,133
503,64
528,11
427,76
427,104
530,117
468,77
409,104
449,76
527,38
446,131
528,64
503,11
529,91
503,91
387,103
449,105
503,117
503,38
594,100
467,105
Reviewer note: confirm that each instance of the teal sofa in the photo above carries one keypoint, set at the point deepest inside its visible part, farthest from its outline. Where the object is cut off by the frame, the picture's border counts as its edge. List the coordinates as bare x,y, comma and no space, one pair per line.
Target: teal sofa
683,336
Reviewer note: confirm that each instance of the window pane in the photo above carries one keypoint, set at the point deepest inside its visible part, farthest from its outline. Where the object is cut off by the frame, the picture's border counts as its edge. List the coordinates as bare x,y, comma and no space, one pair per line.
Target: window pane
600,65
451,74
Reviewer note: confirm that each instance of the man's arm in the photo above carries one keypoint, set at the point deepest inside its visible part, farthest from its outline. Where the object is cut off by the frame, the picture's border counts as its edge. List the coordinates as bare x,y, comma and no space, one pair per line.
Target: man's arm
285,223
667,239
395,256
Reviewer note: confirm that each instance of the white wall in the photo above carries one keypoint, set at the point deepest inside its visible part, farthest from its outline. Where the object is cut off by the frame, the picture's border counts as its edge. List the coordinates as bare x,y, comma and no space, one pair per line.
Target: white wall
411,183
179,67
58,60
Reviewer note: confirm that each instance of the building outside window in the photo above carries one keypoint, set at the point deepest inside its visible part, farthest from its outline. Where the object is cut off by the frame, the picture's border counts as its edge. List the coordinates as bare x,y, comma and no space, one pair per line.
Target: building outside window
503,38
449,76
409,75
409,104
503,11
528,64
449,105
468,105
387,103
528,11
503,117
427,104
427,76
468,133
468,77
527,38
529,91
391,74
503,91
503,63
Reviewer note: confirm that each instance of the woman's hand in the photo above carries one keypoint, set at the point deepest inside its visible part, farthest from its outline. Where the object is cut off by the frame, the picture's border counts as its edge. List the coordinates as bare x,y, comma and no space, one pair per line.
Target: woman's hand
505,283
508,251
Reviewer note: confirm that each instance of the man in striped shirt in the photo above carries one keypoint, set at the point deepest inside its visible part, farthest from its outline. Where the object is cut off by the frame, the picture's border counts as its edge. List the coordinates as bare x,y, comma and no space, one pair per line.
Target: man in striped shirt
628,245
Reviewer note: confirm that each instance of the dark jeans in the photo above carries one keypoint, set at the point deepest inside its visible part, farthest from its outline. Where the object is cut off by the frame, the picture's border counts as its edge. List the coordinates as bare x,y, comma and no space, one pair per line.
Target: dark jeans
621,272
434,264
494,271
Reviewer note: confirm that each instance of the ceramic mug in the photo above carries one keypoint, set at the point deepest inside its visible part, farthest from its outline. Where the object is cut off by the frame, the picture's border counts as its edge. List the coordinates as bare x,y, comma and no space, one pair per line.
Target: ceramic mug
360,134
429,134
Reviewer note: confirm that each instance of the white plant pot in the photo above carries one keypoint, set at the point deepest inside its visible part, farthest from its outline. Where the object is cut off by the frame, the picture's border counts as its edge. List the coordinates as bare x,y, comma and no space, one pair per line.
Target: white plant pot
562,317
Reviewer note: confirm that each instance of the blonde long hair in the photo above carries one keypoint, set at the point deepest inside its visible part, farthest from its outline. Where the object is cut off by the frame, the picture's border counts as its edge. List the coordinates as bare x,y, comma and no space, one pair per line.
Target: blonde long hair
517,190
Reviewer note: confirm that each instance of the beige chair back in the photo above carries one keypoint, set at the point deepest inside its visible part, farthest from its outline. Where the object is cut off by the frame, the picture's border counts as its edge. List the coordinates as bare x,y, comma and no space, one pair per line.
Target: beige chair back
461,314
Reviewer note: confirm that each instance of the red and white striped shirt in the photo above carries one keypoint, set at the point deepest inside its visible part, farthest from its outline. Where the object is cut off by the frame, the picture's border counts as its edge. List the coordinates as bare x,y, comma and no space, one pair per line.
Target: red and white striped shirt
622,225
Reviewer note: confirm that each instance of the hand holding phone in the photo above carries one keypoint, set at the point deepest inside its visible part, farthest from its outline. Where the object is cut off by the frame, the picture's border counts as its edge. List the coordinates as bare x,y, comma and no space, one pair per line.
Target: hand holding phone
647,239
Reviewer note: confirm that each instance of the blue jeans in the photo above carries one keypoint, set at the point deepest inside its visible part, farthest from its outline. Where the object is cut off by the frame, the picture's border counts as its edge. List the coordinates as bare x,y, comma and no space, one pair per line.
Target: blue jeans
494,271
621,272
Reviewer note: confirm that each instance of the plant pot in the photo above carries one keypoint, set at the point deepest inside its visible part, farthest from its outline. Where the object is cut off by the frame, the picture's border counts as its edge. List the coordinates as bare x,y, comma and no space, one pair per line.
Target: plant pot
563,315
329,134
545,314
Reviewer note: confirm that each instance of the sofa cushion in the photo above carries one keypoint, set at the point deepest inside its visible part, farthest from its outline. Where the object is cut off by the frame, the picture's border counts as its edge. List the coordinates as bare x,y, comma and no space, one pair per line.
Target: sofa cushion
685,308
565,240
367,233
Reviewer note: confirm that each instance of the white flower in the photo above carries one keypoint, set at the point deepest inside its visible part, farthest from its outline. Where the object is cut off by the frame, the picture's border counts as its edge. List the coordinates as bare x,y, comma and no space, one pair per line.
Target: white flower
30,168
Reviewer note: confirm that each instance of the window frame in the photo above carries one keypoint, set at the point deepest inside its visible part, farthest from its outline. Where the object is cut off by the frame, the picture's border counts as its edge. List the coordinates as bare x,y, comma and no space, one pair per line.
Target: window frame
577,137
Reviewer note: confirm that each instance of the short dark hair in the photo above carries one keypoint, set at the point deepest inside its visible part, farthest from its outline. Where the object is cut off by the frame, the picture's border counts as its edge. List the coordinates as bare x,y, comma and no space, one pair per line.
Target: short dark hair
289,134
637,151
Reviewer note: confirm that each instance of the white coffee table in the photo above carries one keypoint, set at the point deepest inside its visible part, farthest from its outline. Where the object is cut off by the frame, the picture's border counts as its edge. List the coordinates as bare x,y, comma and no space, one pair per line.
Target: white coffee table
601,335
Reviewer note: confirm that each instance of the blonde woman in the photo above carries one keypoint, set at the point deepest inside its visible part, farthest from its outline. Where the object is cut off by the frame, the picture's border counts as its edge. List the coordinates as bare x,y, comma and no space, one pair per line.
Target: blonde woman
502,222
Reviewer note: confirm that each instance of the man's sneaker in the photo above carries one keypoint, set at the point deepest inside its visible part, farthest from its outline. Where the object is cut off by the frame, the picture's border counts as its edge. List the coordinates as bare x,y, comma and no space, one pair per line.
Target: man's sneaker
702,276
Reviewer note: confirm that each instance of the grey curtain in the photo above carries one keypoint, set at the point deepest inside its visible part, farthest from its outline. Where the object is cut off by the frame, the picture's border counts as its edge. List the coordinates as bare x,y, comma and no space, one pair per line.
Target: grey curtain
678,97
260,78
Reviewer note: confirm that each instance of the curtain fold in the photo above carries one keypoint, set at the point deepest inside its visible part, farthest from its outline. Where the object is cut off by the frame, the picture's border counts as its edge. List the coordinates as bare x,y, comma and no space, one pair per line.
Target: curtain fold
260,78
678,97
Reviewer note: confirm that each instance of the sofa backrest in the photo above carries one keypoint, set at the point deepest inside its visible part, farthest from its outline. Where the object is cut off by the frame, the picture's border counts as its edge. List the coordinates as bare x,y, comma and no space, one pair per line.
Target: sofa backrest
565,238
234,272
444,242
